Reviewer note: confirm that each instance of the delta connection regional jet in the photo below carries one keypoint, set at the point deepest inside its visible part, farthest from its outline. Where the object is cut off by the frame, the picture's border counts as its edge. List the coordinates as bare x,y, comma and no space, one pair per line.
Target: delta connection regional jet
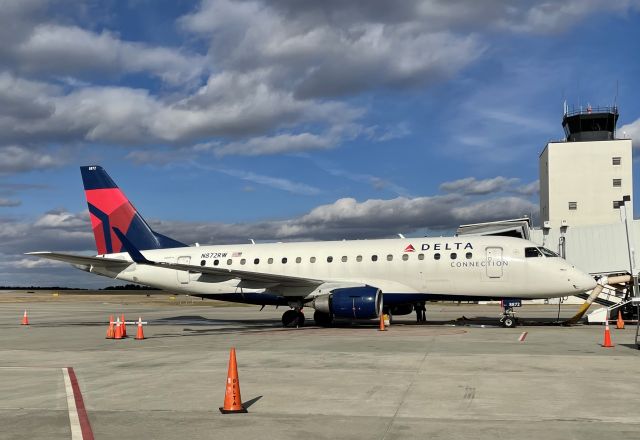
344,280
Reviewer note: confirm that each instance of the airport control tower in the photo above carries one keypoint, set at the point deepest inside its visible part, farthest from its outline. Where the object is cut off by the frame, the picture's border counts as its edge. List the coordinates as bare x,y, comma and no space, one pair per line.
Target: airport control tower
584,177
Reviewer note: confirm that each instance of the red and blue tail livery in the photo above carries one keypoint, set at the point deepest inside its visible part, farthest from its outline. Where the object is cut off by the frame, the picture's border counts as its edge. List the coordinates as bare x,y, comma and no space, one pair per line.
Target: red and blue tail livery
109,208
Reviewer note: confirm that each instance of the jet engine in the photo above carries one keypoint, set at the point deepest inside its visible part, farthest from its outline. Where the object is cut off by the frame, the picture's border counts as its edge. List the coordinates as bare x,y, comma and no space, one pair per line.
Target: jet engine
351,302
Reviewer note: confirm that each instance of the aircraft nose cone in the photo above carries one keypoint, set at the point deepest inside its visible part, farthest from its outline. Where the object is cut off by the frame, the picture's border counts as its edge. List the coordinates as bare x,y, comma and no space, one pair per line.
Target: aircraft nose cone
582,281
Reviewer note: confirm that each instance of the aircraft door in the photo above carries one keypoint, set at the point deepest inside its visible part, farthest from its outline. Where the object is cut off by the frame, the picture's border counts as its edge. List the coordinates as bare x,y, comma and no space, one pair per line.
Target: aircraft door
494,262
183,275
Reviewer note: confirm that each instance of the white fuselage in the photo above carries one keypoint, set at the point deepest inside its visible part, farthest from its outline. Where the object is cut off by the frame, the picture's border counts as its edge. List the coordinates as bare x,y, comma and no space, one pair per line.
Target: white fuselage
471,266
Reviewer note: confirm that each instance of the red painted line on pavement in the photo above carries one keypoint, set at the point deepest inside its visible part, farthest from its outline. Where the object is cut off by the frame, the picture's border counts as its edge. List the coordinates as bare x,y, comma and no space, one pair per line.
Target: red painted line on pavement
85,426
522,336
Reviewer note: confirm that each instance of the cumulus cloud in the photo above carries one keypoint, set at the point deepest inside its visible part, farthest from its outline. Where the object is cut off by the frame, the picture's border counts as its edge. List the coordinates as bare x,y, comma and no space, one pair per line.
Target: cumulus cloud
528,189
348,218
60,219
631,131
9,203
327,55
274,70
134,116
472,186
34,42
15,159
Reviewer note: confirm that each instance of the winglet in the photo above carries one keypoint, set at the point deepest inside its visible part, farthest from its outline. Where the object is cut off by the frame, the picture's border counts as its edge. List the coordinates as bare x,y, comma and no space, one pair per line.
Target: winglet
134,253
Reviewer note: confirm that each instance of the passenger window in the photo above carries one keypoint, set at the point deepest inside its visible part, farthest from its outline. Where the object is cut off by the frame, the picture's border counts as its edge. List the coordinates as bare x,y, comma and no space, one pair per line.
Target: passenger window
531,252
389,257
202,263
344,258
329,259
229,261
270,261
216,262
284,260
312,259
359,258
436,256
256,261
243,261
469,255
420,256
405,257
298,260
374,258
453,255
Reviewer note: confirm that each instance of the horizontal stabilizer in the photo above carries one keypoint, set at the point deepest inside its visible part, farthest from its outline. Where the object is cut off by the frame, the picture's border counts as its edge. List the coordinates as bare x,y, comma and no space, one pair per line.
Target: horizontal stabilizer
82,259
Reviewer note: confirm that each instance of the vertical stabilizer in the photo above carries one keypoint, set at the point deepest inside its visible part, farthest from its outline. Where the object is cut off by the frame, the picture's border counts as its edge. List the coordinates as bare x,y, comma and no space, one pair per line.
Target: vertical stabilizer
109,208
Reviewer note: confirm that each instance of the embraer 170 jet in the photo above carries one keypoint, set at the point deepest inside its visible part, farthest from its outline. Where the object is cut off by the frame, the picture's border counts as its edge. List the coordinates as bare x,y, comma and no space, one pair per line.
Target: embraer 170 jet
350,279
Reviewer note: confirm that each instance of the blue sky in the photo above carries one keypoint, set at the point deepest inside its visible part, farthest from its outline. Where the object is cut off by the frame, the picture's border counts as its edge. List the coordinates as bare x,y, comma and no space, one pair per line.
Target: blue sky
227,120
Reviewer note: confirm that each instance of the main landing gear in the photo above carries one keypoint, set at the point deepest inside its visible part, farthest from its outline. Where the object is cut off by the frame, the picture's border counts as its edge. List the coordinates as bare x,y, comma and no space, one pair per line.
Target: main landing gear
293,318
508,318
323,319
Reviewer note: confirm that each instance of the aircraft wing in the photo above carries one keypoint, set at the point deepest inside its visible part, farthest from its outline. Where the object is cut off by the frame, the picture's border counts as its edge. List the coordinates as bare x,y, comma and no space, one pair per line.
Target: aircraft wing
242,275
83,260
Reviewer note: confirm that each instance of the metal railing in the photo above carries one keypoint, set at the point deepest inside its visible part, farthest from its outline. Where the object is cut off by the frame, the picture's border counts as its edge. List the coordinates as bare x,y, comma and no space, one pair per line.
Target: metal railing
586,110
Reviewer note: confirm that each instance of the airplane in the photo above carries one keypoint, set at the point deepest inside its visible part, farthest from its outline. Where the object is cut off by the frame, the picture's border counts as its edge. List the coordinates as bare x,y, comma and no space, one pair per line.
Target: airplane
340,280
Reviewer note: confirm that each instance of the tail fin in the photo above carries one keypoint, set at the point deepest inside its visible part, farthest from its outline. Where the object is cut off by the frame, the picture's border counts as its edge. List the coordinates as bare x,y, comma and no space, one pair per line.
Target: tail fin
109,208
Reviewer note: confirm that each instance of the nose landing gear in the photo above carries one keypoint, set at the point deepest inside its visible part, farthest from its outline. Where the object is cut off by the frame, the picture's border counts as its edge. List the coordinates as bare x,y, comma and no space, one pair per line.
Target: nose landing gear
508,316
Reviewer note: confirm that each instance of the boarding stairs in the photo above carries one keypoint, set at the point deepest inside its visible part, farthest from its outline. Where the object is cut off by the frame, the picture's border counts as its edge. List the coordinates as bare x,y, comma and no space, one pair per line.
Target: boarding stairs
608,297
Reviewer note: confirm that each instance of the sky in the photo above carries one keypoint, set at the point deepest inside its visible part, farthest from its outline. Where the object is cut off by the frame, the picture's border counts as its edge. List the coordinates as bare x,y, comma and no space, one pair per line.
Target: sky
230,120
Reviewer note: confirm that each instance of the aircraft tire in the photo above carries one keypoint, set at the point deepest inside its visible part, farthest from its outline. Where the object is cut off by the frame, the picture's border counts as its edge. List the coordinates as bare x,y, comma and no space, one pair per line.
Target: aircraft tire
292,318
509,322
322,319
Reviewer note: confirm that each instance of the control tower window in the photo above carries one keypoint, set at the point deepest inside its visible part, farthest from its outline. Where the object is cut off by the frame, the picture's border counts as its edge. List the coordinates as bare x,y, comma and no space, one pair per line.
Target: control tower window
532,252
617,183
573,206
616,160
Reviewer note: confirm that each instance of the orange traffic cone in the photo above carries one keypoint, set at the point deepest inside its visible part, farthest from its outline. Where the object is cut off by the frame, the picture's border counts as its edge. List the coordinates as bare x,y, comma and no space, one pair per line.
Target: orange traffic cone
607,336
118,332
620,321
140,333
110,330
124,326
25,319
232,399
382,328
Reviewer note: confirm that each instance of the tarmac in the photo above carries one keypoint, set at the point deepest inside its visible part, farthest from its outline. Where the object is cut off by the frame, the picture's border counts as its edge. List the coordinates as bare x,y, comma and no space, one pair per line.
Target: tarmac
435,381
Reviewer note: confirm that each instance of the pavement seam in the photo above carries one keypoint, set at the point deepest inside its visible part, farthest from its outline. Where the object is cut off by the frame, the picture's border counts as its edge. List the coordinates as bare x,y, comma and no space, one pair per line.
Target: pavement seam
408,388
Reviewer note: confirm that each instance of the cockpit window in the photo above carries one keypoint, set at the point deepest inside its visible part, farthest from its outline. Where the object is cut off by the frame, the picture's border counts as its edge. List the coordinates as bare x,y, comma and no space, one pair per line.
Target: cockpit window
547,253
532,252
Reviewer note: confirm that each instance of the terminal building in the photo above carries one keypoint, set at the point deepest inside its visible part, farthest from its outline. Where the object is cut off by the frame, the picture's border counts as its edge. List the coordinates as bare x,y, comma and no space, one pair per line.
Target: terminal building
586,201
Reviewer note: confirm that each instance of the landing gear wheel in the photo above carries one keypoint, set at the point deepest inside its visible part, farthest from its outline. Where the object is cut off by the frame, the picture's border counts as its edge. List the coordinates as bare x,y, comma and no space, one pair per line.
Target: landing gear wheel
293,318
322,319
509,322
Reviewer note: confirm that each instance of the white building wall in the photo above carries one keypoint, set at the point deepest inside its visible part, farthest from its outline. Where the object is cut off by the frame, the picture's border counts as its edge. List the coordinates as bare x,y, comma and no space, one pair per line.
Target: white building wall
583,172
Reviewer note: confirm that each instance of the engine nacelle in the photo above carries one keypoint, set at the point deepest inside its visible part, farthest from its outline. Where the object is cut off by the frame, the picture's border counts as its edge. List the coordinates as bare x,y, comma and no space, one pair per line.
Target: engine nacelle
351,302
